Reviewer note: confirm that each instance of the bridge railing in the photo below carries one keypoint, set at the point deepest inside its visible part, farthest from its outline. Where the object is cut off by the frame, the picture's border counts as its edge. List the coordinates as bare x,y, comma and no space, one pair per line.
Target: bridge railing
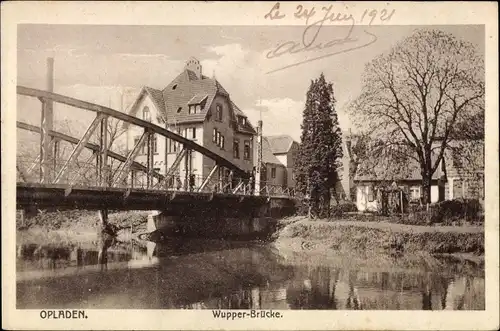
97,138
85,174
92,161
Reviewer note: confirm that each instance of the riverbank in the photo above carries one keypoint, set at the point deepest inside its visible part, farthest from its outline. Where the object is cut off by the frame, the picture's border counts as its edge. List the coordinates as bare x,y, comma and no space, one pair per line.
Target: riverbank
299,234
295,234
77,226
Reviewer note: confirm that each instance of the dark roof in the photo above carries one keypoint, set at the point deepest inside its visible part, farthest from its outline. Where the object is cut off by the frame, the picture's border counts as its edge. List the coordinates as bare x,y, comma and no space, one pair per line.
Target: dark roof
267,153
280,144
157,97
186,89
247,127
197,99
381,172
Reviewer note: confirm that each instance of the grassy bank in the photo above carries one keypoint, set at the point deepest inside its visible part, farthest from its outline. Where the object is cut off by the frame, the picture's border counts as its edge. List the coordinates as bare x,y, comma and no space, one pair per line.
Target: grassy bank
300,234
77,226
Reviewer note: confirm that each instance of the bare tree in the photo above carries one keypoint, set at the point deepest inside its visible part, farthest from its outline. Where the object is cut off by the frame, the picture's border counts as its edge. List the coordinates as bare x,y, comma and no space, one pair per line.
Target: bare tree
86,161
414,96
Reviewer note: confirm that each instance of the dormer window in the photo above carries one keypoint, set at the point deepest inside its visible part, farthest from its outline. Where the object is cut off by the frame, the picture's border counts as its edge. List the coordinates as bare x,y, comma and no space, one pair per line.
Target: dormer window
174,87
146,115
243,120
179,109
194,109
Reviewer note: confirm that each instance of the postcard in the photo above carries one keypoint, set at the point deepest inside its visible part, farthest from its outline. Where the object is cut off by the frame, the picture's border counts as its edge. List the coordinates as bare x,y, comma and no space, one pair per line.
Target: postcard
250,166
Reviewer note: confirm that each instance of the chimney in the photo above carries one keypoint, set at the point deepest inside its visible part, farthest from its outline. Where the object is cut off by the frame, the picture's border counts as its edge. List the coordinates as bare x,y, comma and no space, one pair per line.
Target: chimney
194,65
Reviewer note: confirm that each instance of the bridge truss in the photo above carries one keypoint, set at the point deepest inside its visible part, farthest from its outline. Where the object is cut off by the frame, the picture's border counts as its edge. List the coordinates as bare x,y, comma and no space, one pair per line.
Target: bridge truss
50,169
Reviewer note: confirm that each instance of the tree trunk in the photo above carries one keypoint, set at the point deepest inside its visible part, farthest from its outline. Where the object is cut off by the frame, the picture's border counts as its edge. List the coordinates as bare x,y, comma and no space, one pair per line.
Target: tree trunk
426,189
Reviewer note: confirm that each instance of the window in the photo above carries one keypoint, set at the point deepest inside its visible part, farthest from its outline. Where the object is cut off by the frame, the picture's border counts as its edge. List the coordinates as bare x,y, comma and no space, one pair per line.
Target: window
185,132
179,109
172,146
214,136
193,109
156,169
246,150
370,194
174,87
136,141
142,150
415,192
293,174
193,133
236,148
218,113
155,144
146,115
243,120
221,143
273,172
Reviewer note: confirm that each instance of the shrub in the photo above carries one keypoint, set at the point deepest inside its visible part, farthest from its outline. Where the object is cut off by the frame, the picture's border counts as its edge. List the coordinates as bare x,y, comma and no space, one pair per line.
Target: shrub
457,209
343,207
448,212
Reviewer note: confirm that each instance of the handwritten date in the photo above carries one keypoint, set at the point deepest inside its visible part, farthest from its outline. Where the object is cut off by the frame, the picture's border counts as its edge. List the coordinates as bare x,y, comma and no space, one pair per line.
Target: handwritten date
369,16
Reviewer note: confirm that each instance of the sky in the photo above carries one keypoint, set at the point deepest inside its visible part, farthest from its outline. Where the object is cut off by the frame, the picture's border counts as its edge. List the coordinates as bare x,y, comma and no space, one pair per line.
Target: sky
100,63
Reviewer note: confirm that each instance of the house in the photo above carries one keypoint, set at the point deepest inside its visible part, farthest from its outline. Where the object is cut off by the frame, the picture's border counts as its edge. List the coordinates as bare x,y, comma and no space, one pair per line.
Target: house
369,182
273,171
465,170
285,149
198,108
460,174
279,154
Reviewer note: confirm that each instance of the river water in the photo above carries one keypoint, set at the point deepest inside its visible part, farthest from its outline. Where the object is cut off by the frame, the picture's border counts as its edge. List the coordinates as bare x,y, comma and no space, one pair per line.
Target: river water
212,274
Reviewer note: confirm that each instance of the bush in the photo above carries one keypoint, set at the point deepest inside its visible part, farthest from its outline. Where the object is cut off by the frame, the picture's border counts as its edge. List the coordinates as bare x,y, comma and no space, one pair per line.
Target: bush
448,212
457,209
343,207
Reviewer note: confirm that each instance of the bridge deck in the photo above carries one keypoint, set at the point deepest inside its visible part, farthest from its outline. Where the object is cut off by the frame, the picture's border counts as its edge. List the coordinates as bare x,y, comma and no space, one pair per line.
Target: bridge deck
95,198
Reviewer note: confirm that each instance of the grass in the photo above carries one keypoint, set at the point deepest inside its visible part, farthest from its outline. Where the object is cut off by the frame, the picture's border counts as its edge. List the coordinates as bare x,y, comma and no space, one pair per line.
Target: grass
380,237
77,226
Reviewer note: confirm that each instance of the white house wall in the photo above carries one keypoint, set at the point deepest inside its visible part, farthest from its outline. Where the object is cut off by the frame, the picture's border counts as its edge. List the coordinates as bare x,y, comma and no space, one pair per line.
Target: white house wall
283,158
135,131
362,201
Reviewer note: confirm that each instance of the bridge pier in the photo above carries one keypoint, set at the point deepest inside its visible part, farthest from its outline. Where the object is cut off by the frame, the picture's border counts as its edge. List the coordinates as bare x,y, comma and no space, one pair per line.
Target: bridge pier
219,220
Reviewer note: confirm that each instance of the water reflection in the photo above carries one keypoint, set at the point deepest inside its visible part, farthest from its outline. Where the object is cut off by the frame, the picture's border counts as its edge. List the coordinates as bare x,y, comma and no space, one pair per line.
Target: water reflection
222,275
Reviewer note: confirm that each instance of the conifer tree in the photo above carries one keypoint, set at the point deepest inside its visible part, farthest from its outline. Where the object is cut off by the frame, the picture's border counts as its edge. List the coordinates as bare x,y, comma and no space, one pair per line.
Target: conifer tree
320,150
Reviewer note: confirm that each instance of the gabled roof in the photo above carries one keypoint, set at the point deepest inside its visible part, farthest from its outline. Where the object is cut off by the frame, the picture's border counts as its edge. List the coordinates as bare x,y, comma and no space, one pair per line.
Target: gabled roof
155,95
280,144
247,127
368,171
267,153
190,88
187,88
157,98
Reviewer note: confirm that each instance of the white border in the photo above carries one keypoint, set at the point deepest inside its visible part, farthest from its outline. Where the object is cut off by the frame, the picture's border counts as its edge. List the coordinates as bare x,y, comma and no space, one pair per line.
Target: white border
239,13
